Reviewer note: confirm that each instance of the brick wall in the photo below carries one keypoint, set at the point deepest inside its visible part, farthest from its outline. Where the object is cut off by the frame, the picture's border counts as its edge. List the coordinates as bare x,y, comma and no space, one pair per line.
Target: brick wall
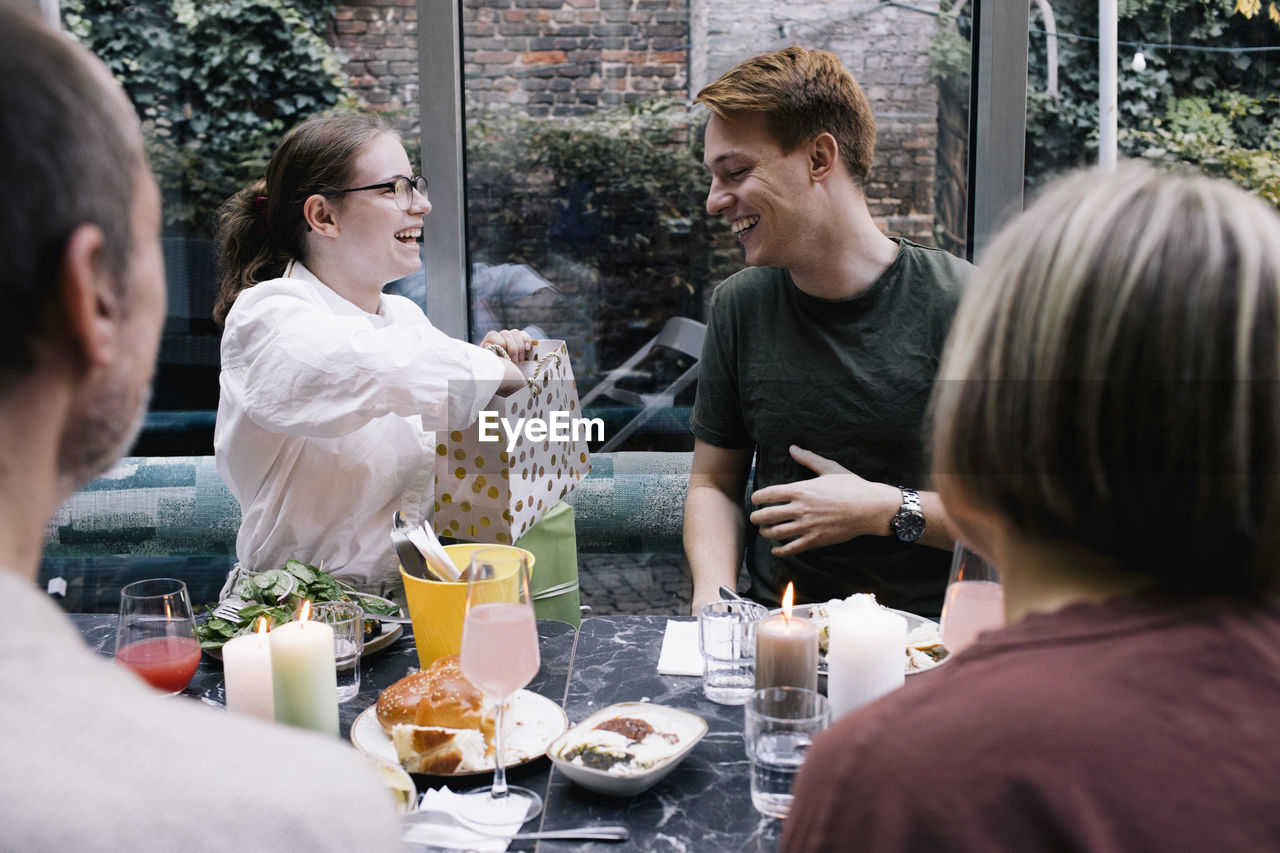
570,57
886,50
379,39
561,58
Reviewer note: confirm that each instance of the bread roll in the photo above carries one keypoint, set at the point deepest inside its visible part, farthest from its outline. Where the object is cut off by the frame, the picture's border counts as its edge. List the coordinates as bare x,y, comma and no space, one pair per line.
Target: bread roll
431,749
399,702
439,722
450,701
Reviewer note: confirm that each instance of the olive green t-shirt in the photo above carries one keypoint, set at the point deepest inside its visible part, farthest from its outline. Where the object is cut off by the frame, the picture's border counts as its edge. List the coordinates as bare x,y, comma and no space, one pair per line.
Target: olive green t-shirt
848,380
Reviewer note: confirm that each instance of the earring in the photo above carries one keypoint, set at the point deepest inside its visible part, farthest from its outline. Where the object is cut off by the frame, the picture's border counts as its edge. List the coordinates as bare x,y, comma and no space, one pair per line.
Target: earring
308,227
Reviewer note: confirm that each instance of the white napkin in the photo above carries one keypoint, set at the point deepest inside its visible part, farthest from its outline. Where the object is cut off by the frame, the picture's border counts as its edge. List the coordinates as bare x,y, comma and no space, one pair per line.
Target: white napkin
680,653
424,539
446,829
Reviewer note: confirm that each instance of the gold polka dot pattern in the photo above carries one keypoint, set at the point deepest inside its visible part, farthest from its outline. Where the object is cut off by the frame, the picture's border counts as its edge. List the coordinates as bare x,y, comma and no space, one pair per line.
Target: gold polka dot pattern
485,493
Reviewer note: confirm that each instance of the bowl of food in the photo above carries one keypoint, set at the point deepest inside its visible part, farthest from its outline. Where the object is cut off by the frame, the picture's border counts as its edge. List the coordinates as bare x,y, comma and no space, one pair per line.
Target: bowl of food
627,748
276,594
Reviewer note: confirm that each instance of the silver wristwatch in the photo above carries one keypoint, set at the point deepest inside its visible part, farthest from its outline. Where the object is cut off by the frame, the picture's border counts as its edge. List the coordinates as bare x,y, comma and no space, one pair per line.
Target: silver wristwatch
908,524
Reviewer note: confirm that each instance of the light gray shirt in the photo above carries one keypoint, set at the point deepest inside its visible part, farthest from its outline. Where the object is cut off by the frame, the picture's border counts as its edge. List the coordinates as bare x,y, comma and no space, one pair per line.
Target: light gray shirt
91,758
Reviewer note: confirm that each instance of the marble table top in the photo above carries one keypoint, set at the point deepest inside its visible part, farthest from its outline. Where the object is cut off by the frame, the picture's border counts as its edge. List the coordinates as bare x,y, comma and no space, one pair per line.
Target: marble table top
703,805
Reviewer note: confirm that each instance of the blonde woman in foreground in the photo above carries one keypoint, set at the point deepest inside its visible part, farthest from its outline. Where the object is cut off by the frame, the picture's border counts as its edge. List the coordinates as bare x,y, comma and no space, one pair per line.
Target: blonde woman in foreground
1107,430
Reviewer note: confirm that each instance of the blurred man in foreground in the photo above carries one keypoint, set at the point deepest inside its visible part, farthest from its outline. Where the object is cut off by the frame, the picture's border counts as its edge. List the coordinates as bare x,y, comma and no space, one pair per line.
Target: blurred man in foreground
93,758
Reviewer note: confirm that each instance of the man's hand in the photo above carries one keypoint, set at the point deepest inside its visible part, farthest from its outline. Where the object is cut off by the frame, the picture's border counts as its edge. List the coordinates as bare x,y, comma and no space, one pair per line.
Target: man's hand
835,506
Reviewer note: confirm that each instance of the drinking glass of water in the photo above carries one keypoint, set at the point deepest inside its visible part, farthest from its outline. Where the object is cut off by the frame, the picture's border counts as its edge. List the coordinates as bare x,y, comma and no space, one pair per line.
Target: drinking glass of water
156,637
974,602
499,656
780,725
347,621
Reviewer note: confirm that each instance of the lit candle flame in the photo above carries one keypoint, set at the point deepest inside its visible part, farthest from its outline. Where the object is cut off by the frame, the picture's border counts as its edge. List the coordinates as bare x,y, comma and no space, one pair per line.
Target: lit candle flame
263,627
304,614
788,599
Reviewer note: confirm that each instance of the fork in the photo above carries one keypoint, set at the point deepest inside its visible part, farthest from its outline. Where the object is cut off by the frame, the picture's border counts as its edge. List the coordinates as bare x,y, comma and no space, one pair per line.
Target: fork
229,608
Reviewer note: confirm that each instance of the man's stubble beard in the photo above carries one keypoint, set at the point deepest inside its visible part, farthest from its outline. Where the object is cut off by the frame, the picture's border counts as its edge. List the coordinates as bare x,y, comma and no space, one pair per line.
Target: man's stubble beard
107,430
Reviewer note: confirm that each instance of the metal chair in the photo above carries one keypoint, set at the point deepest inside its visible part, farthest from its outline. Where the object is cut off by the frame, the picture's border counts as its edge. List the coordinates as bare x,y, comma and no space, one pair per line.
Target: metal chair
680,334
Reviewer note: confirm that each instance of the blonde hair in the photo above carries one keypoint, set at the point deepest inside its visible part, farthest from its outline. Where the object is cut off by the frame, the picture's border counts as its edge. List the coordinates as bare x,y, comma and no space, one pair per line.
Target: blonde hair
802,93
1111,377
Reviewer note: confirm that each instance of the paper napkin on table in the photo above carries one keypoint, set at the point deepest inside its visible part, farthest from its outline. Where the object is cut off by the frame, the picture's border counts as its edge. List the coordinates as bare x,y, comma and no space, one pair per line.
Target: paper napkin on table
445,829
680,653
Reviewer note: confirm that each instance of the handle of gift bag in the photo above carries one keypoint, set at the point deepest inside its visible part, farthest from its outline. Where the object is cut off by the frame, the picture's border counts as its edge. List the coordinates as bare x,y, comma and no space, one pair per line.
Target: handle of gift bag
549,358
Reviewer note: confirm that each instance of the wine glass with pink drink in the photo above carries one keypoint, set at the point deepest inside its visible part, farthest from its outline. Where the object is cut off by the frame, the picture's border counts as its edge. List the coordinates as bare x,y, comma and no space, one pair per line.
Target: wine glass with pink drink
974,602
499,656
156,637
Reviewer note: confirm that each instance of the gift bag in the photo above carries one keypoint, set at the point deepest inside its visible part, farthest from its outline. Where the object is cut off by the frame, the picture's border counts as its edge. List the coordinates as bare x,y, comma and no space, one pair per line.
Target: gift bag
499,477
554,585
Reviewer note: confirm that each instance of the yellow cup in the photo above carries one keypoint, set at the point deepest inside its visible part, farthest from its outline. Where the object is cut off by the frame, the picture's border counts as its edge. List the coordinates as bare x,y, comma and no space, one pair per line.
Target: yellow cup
437,607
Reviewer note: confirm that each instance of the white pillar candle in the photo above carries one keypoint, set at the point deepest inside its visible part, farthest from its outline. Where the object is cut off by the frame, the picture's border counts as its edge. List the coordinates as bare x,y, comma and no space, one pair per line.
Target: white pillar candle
246,667
865,653
304,677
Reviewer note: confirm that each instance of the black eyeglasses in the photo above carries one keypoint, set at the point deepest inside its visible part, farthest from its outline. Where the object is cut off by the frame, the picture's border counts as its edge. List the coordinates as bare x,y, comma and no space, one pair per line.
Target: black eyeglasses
403,188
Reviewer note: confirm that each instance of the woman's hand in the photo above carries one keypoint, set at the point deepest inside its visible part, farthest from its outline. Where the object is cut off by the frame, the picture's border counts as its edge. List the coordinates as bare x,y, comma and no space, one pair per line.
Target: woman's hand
515,342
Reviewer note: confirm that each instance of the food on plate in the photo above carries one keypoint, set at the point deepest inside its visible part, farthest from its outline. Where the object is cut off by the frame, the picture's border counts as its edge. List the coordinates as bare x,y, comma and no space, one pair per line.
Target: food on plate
924,649
438,720
403,792
430,749
276,594
627,744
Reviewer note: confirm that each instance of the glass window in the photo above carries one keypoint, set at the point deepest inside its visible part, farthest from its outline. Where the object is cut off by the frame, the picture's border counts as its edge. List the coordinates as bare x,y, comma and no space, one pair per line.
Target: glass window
1196,85
585,195
216,86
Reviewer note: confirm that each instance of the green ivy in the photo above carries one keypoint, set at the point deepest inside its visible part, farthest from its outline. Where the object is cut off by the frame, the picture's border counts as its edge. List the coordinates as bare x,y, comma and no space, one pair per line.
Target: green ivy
610,207
608,189
1214,111
216,83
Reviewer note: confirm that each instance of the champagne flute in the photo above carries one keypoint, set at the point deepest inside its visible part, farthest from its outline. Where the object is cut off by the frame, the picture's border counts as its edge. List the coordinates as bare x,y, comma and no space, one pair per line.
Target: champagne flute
974,601
156,637
499,656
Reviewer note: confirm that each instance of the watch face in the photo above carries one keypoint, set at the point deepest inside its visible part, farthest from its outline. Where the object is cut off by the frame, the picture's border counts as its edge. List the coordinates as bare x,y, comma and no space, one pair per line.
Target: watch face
908,525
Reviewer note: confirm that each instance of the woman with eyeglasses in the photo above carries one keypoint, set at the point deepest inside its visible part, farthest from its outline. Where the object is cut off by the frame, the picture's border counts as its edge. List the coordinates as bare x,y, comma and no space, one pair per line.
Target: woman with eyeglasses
331,390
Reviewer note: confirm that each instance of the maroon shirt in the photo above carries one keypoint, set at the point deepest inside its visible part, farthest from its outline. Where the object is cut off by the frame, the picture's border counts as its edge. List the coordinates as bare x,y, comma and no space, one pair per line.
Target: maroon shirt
1143,723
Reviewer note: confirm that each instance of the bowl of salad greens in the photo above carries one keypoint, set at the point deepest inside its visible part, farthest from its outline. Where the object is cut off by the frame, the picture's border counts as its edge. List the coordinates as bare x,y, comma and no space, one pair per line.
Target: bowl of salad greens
278,593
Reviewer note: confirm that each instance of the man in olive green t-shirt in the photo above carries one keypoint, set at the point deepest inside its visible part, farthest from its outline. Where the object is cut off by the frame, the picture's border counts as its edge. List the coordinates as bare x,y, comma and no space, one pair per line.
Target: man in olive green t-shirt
819,358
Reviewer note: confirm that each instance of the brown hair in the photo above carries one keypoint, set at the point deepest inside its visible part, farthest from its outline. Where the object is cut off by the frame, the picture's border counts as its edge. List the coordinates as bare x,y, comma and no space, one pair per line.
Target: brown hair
262,227
801,93
1112,378
70,154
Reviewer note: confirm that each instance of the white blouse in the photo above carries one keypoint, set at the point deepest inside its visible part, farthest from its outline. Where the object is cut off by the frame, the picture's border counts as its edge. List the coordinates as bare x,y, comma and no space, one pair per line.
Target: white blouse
327,417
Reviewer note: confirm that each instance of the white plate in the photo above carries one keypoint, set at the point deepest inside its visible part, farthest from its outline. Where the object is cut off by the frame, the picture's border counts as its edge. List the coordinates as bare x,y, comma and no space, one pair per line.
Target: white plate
529,724
689,728
913,622
390,632
403,791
